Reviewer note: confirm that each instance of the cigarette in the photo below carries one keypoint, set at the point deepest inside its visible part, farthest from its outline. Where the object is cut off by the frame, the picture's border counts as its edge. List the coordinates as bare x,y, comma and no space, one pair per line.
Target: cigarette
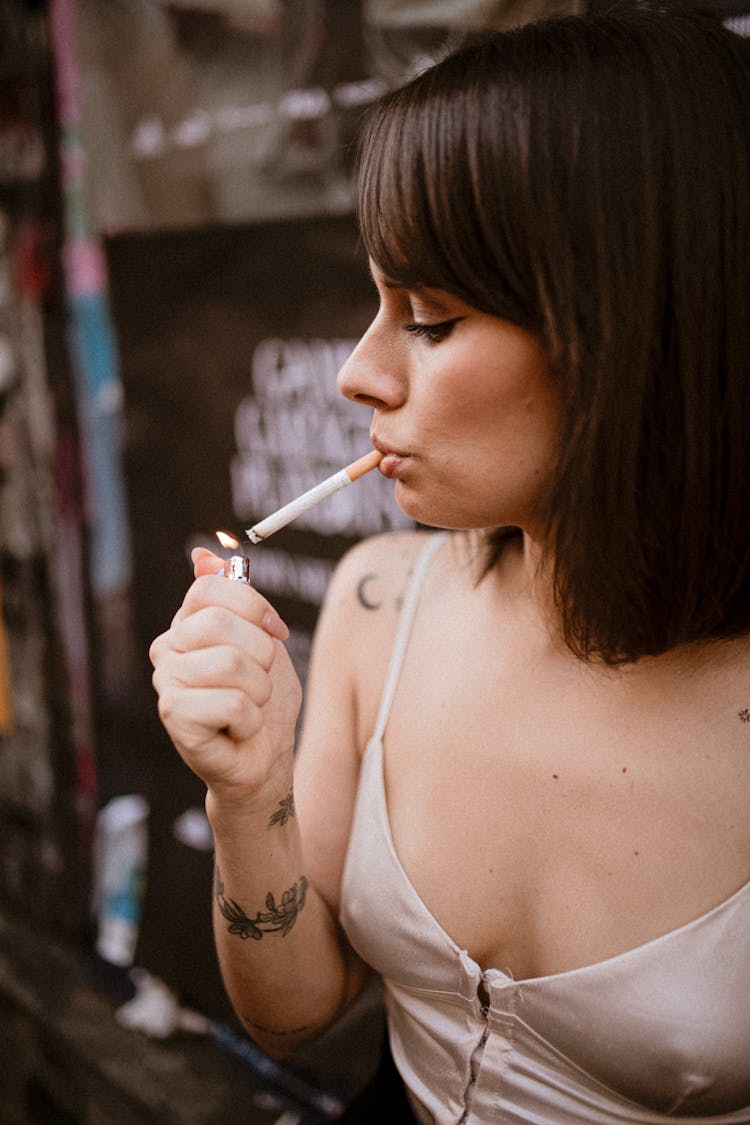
314,496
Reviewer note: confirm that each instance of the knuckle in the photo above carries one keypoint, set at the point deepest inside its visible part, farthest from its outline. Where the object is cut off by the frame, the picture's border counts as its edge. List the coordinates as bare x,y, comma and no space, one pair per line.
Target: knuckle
266,650
217,617
235,663
252,720
265,691
165,709
202,594
237,708
218,664
159,681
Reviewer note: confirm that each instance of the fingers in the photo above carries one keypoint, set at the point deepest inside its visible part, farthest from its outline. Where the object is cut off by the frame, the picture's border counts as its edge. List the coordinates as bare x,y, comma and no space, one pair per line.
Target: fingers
217,653
224,647
192,718
212,674
228,694
220,666
217,625
205,562
213,589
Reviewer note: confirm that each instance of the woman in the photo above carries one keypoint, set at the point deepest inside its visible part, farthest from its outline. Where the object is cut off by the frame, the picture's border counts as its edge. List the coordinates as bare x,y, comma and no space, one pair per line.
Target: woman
522,784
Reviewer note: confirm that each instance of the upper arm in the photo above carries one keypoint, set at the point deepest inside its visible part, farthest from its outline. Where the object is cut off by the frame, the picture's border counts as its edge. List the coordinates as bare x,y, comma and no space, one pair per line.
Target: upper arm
349,658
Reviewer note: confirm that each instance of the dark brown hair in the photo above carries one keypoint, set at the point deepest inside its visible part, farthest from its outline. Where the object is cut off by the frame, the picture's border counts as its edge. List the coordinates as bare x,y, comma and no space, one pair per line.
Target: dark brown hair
588,178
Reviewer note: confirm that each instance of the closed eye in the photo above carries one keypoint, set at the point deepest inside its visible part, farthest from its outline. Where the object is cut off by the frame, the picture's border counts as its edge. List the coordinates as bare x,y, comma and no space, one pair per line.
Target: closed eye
434,333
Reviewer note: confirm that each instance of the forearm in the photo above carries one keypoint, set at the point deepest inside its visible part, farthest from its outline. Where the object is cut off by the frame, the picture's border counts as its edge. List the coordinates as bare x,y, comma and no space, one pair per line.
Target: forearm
287,968
230,698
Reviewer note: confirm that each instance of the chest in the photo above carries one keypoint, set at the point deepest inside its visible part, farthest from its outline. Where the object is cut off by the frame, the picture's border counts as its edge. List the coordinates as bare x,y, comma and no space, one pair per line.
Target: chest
550,819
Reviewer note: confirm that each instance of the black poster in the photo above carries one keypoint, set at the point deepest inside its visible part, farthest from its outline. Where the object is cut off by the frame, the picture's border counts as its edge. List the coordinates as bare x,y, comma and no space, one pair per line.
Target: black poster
230,341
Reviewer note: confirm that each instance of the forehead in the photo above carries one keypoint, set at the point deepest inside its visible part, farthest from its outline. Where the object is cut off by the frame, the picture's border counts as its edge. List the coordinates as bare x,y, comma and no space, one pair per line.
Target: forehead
439,299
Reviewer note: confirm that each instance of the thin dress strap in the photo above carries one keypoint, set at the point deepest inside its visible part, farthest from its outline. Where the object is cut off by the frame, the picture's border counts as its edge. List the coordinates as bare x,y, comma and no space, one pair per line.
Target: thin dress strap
403,632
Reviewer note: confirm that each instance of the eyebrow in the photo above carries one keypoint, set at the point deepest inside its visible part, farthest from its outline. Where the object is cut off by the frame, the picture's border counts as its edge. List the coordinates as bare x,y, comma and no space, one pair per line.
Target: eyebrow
424,292
390,283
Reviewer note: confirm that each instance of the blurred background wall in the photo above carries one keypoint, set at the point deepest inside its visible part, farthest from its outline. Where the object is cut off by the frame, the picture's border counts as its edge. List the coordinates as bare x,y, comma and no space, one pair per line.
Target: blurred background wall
180,279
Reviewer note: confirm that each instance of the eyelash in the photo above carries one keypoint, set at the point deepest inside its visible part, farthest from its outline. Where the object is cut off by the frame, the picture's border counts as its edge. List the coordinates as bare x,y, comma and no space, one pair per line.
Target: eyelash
433,333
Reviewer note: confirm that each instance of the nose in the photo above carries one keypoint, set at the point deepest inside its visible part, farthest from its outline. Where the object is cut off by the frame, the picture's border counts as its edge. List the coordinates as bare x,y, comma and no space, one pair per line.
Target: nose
371,375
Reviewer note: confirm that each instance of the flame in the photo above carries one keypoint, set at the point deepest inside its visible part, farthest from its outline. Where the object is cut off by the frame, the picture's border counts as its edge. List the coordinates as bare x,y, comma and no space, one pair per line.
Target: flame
226,539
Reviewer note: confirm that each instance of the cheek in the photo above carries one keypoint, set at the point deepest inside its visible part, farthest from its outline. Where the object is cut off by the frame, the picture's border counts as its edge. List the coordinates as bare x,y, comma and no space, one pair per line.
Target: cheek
511,444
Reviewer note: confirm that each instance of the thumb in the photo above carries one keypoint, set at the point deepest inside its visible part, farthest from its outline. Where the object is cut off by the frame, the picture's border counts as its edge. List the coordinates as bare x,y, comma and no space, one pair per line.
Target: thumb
205,562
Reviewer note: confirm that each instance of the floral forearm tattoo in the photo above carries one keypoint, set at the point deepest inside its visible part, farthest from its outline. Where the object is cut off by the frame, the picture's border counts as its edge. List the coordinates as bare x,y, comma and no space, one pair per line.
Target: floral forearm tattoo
277,918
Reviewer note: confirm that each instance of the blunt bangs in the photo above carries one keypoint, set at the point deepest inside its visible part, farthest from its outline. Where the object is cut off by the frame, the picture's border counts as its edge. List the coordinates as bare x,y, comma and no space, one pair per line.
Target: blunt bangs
426,213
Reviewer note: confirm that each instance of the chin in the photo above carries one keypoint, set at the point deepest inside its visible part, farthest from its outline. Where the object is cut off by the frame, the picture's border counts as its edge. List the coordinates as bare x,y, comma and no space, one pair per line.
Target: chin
443,516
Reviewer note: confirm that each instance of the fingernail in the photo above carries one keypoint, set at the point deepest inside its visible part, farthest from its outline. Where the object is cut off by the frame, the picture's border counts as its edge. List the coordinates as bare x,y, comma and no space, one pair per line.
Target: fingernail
274,626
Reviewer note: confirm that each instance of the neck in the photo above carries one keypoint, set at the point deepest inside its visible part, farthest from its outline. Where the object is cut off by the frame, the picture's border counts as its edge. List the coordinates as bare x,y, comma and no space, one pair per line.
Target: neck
523,574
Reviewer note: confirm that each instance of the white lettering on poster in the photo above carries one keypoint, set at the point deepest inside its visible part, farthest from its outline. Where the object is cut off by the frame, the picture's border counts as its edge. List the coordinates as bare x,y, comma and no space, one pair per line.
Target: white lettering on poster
301,576
295,430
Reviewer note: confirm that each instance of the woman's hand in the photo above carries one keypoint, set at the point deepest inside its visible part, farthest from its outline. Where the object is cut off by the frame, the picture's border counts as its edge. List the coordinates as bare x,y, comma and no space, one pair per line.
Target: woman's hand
228,694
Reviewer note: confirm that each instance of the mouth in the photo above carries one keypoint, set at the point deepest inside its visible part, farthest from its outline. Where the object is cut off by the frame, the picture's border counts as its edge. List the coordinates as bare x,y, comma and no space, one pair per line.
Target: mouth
394,460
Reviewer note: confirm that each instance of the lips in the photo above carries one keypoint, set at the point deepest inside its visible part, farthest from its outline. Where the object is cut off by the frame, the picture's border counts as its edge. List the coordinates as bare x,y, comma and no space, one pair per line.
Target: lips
394,460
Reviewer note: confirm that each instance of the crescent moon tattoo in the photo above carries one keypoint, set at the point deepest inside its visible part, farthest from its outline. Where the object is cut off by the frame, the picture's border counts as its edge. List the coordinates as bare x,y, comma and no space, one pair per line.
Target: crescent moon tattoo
362,595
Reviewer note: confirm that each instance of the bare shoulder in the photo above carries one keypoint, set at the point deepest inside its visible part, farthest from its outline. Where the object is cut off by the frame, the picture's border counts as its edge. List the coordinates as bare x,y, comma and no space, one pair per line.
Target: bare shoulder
364,596
362,609
350,654
373,574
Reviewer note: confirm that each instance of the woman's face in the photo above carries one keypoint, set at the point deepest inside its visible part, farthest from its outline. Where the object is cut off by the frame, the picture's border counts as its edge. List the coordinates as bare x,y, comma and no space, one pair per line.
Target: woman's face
463,407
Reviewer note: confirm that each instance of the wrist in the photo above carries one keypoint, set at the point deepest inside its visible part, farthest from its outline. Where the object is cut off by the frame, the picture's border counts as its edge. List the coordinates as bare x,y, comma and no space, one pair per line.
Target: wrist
273,806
